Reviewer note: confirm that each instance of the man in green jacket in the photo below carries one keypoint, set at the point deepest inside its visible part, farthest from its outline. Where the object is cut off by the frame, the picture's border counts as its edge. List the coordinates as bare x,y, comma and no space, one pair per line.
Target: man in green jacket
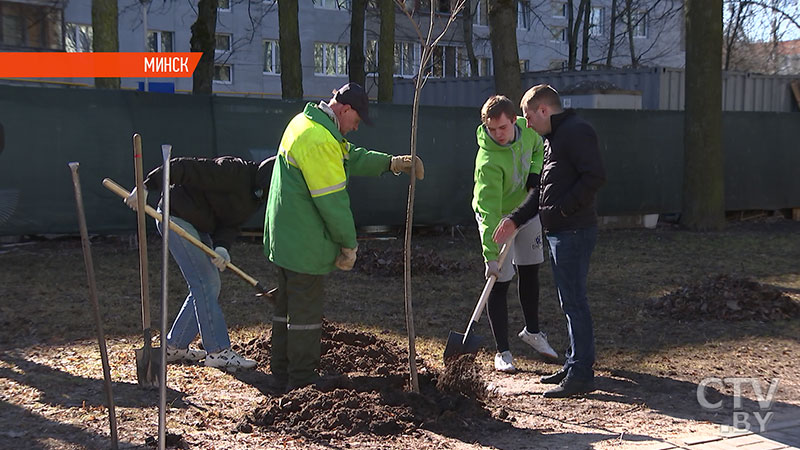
309,229
507,169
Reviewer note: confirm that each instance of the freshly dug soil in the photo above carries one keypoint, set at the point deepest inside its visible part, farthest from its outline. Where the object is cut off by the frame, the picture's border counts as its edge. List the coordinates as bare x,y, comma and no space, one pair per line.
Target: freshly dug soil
389,262
726,297
365,390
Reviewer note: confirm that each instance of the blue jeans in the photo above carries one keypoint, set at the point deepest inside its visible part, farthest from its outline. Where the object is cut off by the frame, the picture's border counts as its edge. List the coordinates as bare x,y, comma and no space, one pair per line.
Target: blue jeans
570,252
200,312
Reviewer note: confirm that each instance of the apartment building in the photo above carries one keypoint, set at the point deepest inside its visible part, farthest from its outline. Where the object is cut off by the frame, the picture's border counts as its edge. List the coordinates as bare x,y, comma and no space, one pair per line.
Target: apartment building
248,54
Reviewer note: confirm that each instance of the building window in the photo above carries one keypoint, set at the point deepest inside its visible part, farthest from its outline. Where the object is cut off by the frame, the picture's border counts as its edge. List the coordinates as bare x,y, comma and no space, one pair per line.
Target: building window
159,41
371,54
78,38
449,61
223,42
443,7
523,14
558,34
330,59
481,13
332,4
224,5
485,67
31,26
462,63
639,23
596,21
557,64
223,73
524,65
559,8
406,59
272,57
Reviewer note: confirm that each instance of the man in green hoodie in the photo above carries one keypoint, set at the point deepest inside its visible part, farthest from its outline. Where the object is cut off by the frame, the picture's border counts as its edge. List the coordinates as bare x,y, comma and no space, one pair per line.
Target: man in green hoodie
309,229
507,171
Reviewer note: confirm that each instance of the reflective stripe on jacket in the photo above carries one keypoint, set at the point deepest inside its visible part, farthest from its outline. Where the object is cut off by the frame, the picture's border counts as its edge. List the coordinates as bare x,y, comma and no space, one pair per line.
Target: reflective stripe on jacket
308,218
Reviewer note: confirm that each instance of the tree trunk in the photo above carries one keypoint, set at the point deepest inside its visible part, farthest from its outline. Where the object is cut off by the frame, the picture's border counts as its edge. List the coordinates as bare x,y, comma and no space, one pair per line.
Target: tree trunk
612,34
203,40
732,32
356,61
587,12
289,42
629,17
386,52
105,37
505,57
573,26
703,185
467,16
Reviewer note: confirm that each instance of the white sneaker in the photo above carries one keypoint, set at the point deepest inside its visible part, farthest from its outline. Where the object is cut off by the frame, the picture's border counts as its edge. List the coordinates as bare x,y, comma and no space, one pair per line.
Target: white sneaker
229,360
539,343
504,362
175,354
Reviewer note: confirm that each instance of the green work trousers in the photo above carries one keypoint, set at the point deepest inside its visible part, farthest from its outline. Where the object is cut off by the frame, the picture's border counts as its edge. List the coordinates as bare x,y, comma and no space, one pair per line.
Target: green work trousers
297,327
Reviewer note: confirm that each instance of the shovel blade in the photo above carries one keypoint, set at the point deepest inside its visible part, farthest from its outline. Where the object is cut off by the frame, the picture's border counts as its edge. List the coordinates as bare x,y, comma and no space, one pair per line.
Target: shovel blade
148,363
459,344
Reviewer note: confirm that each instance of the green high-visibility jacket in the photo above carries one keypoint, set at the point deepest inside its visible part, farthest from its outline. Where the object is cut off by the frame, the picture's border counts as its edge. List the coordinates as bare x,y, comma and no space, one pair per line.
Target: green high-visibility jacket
501,173
308,218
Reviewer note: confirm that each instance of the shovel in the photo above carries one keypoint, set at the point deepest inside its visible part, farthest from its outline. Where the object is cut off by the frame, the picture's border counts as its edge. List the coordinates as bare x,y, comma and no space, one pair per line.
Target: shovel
260,290
460,344
147,358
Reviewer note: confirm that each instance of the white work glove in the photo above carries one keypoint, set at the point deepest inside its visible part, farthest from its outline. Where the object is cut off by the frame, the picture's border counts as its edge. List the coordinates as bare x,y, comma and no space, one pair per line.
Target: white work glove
491,269
346,258
402,163
132,199
223,258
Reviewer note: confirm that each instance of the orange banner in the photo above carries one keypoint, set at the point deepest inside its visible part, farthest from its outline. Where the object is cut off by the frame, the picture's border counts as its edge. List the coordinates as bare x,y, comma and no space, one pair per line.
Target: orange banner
64,65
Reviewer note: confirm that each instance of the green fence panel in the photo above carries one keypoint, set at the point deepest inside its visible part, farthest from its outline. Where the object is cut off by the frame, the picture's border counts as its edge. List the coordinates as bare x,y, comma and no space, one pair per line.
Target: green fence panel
643,152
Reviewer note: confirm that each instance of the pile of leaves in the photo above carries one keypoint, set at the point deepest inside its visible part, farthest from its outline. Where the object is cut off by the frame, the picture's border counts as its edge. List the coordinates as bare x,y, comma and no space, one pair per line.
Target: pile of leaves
365,389
726,297
389,262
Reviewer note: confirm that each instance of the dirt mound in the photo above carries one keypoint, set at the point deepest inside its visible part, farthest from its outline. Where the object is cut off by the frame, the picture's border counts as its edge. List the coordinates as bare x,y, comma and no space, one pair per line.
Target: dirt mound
726,297
389,262
364,389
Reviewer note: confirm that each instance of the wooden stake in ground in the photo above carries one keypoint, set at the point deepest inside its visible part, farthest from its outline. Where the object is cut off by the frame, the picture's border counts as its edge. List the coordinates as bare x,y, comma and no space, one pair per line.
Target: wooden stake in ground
428,43
98,319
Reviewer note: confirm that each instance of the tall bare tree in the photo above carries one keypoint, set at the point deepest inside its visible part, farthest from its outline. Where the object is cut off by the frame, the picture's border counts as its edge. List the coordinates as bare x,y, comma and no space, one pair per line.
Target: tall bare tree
203,40
703,185
505,57
574,25
587,13
753,32
612,33
467,17
386,52
358,9
106,36
289,42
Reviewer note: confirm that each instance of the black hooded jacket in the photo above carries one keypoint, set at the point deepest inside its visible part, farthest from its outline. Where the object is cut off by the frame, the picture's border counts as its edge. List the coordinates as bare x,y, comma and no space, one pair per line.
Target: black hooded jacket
215,195
571,175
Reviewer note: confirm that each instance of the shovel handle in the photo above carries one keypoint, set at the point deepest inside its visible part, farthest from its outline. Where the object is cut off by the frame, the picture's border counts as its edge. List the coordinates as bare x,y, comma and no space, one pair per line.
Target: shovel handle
141,228
487,289
119,190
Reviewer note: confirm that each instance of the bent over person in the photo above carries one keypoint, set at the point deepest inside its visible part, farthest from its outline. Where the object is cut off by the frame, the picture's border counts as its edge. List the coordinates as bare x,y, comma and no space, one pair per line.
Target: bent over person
210,199
309,229
507,170
572,174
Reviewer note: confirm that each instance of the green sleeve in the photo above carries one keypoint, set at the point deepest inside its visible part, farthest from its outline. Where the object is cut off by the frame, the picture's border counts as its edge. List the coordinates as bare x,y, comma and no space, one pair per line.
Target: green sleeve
488,194
335,212
367,163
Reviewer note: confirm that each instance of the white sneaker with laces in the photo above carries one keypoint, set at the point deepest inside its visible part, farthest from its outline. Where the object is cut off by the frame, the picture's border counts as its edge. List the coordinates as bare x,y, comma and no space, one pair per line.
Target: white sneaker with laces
175,354
229,360
539,343
504,362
